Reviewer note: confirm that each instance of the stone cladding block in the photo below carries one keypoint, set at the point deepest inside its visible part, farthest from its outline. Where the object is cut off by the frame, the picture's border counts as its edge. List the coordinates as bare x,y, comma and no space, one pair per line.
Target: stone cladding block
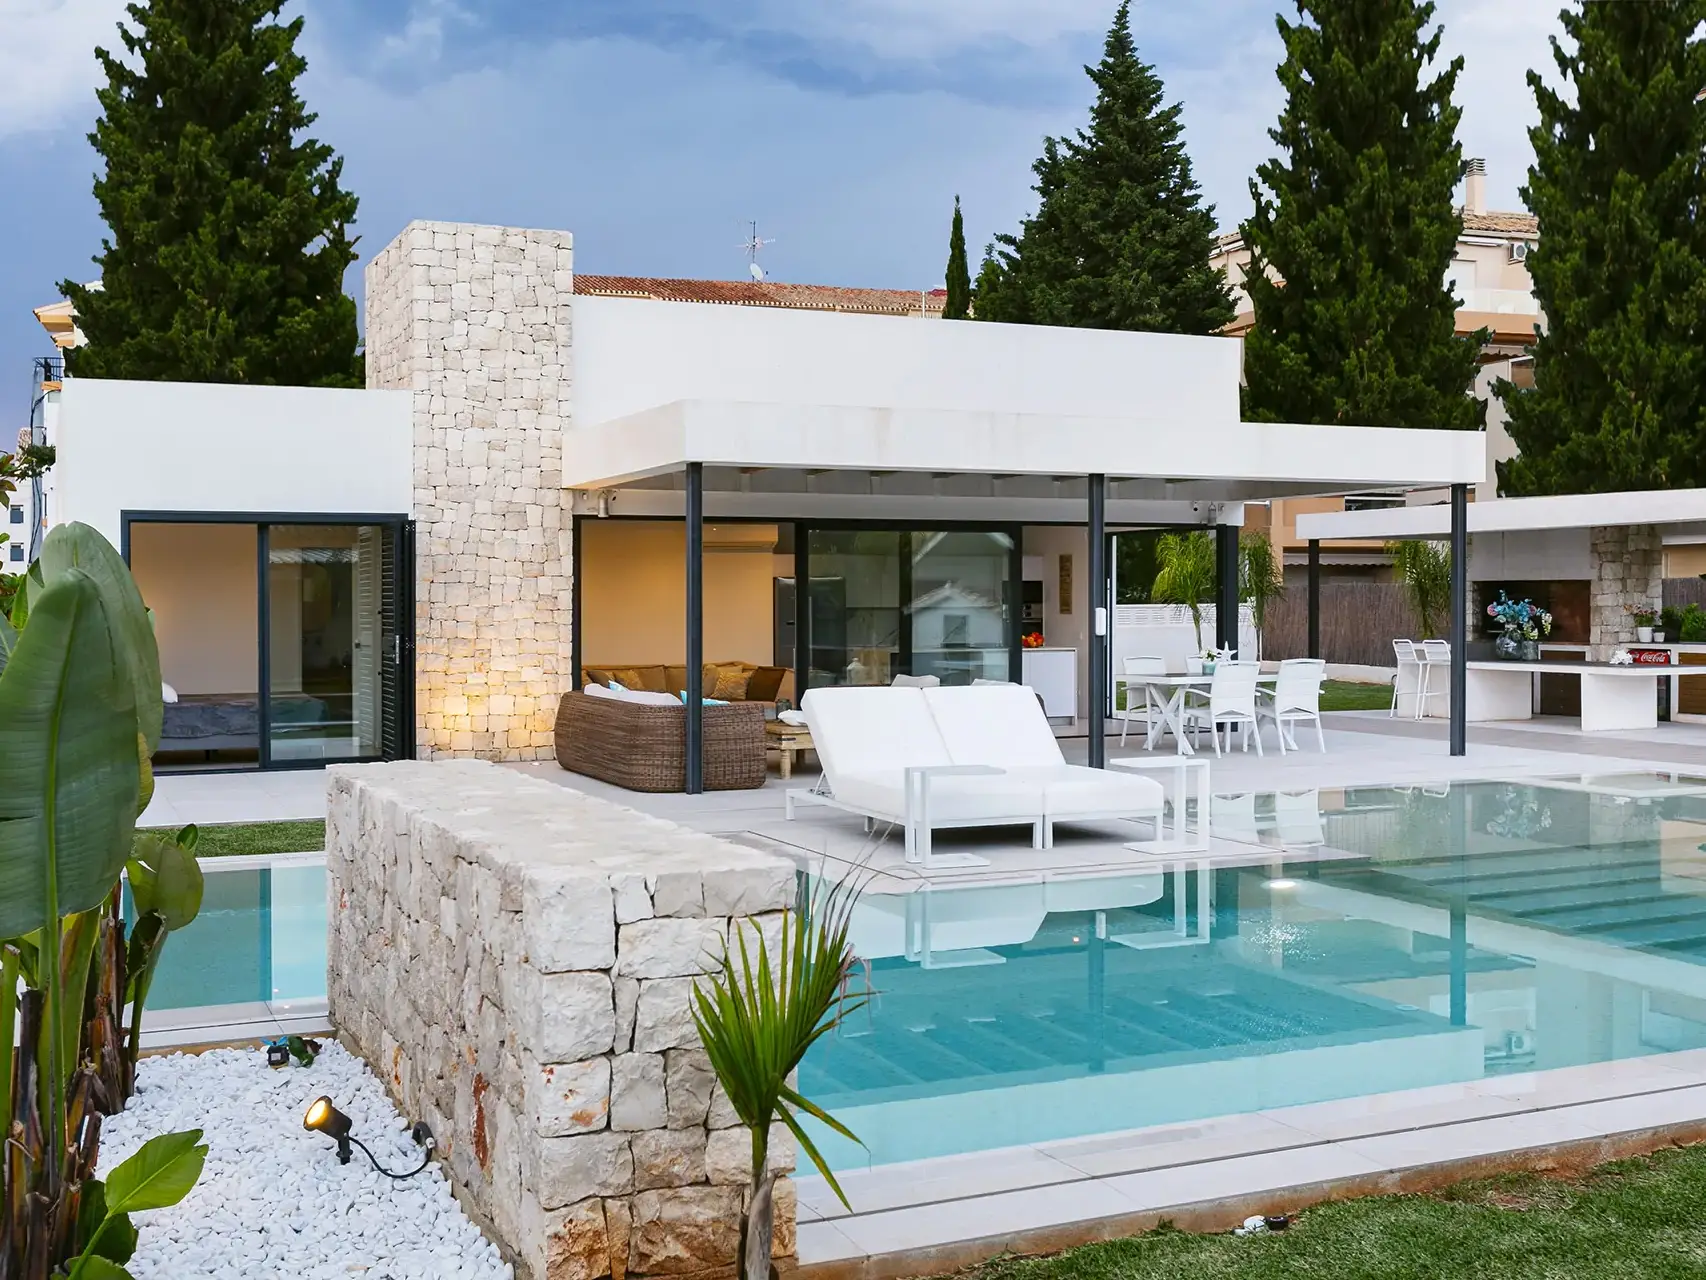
515,958
1628,575
476,322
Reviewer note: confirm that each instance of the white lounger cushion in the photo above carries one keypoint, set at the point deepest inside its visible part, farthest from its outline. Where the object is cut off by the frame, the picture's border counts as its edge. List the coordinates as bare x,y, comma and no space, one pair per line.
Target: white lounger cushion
997,724
1004,726
871,730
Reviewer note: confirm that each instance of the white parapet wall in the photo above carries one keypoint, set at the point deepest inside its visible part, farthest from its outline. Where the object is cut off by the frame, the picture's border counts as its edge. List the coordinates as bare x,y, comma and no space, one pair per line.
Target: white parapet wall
515,960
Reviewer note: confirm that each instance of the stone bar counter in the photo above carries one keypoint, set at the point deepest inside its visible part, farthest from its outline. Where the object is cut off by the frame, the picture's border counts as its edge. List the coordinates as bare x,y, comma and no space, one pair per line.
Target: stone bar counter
515,960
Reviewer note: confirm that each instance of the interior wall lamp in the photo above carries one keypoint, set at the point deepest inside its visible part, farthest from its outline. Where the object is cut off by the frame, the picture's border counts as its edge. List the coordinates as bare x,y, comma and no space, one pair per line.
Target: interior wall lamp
323,1117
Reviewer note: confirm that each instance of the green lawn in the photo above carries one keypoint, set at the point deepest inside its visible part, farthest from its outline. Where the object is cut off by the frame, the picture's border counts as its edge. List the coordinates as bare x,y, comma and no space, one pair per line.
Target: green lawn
307,836
1354,695
1642,1219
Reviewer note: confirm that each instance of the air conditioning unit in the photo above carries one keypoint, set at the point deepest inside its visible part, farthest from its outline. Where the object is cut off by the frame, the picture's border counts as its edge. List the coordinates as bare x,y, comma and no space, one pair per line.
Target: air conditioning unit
1520,250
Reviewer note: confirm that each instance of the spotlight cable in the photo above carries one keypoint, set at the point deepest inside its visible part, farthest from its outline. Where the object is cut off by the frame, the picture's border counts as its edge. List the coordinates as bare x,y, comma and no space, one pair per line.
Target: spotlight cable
426,1159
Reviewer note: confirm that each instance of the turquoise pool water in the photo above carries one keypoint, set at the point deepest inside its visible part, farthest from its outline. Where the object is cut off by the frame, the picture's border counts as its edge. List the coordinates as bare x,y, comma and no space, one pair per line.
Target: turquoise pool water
1387,939
261,936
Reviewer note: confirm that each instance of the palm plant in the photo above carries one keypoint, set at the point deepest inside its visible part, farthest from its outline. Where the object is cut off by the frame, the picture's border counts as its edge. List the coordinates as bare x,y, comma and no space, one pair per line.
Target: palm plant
757,1020
1187,574
80,713
1424,567
1262,579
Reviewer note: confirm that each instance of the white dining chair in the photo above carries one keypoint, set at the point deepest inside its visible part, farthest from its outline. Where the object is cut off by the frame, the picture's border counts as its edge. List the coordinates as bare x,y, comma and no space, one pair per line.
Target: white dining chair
1231,701
1135,690
1436,656
1409,678
1295,698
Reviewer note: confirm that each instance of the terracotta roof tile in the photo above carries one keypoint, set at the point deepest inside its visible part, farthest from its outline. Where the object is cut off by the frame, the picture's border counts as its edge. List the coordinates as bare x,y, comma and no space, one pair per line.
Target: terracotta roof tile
766,293
1521,224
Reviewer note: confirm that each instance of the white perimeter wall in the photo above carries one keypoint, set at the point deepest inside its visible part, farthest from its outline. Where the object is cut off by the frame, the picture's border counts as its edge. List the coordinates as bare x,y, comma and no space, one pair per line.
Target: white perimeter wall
631,355
192,446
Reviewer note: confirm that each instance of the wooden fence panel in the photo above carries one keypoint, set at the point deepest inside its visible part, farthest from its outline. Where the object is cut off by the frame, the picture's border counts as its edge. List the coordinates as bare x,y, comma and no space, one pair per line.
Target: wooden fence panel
1682,592
1359,621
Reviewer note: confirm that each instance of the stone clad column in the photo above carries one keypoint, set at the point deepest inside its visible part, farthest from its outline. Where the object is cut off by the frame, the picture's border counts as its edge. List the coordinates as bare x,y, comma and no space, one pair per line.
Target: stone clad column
1628,573
475,320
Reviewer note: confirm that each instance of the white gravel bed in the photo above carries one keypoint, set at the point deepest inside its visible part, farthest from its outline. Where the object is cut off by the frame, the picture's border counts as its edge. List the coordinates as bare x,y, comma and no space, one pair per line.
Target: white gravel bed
273,1199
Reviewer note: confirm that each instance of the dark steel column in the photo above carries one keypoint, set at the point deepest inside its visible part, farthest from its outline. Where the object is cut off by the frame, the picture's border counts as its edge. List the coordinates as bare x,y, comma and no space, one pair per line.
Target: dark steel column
695,627
1098,621
1459,618
577,656
1226,587
1314,597
802,610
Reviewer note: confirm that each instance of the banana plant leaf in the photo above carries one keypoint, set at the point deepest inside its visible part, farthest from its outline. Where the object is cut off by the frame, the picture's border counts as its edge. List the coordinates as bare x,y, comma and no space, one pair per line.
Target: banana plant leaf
8,642
166,878
68,761
79,546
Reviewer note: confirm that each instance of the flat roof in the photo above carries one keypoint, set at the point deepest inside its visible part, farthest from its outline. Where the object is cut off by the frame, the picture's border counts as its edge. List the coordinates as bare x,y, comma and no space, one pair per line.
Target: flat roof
1209,461
1674,507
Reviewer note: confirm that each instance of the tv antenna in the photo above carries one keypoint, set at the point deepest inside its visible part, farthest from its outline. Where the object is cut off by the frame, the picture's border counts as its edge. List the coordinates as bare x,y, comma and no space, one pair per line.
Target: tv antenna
753,244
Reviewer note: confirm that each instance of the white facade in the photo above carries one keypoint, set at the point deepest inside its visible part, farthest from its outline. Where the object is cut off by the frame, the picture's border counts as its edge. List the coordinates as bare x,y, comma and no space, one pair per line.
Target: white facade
212,447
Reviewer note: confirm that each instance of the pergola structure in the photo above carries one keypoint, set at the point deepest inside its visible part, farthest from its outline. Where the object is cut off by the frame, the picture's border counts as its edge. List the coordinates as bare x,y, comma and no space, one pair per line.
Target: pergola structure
704,459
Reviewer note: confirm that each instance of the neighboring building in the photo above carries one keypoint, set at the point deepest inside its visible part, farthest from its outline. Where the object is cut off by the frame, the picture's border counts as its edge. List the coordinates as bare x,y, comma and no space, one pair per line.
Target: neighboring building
429,564
924,304
1489,276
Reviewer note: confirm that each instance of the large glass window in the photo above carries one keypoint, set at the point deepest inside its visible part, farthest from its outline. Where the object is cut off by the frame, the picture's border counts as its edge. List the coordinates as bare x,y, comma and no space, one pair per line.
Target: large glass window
324,588
910,602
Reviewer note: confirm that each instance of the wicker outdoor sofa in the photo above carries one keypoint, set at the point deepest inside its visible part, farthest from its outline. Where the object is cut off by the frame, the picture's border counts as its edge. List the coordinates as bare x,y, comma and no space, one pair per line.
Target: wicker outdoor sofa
643,748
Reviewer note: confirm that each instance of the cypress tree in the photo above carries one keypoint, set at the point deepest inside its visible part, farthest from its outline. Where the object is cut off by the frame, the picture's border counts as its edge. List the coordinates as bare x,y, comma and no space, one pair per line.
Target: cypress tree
1618,184
957,306
1121,238
1351,240
229,229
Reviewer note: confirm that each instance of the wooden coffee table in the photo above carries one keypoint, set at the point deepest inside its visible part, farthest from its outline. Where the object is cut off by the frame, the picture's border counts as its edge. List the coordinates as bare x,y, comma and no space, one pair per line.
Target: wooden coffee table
787,739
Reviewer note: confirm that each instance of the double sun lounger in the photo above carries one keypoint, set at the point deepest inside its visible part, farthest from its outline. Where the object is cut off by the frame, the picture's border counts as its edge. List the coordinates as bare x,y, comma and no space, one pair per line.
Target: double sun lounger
963,756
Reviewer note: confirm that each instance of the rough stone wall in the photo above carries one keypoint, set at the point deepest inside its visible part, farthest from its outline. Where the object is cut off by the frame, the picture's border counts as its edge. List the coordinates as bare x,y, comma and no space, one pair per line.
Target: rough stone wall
515,960
475,320
1628,569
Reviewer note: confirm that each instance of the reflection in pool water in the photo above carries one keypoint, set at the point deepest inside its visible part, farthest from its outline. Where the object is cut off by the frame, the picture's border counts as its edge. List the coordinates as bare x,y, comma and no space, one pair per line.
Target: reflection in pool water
1421,937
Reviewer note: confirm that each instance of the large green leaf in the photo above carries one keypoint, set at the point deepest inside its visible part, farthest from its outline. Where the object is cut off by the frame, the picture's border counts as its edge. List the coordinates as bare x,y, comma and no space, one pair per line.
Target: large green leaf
68,767
8,642
165,878
91,1266
160,1174
79,546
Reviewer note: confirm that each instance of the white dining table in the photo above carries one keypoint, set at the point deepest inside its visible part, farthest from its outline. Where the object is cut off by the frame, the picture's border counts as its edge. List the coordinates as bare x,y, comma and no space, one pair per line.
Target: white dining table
1168,694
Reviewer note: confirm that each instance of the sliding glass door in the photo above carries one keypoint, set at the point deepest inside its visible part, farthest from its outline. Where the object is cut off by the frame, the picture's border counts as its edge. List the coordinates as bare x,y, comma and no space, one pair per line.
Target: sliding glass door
915,602
283,643
325,612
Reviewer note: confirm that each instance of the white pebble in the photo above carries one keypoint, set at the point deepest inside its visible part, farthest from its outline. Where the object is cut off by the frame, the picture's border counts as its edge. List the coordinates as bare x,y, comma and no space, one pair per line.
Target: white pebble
273,1199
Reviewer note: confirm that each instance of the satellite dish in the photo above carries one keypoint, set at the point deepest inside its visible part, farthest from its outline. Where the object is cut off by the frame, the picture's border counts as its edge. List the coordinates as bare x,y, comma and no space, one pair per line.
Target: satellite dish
756,270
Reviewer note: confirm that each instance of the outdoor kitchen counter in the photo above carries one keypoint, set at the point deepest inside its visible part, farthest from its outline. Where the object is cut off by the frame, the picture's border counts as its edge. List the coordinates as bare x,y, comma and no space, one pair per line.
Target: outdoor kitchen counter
1613,697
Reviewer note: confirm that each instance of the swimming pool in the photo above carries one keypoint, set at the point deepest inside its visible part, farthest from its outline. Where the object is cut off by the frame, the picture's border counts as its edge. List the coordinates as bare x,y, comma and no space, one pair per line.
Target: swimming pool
1365,940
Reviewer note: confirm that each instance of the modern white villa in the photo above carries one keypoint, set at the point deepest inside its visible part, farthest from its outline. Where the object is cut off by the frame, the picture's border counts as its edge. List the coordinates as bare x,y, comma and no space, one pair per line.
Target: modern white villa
540,483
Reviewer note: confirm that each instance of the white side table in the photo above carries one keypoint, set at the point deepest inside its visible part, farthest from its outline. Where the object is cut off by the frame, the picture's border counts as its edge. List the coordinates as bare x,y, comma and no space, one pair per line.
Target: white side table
1184,839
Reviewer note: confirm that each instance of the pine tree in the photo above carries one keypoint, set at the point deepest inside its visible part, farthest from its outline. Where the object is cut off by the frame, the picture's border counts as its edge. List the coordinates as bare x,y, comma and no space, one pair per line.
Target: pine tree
958,303
1351,240
229,230
1618,184
1121,238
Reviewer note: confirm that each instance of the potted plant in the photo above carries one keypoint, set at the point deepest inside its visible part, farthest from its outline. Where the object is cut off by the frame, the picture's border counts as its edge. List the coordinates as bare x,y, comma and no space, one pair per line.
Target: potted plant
1521,624
1643,619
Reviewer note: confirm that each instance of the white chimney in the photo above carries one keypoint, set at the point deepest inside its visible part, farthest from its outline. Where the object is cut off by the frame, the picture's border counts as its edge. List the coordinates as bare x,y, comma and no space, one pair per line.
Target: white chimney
1475,187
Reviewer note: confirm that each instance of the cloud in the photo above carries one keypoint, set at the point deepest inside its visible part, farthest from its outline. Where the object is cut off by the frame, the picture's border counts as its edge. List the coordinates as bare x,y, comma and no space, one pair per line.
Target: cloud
48,71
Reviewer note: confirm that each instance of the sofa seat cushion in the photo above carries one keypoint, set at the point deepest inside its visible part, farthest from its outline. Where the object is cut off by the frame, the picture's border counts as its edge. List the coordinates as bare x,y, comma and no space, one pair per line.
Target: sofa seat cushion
1072,790
997,799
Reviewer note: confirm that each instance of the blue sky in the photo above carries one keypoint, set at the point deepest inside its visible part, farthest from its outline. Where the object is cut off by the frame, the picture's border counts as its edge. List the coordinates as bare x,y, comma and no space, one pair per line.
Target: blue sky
653,129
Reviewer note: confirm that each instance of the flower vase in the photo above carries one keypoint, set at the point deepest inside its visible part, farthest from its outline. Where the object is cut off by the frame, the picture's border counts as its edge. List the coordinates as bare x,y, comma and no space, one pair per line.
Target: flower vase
1507,647
1531,651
